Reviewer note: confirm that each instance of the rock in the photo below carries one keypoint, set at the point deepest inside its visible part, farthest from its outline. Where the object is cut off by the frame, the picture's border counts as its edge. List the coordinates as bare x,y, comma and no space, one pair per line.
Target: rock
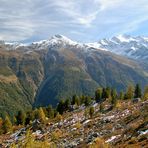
95,135
85,122
136,100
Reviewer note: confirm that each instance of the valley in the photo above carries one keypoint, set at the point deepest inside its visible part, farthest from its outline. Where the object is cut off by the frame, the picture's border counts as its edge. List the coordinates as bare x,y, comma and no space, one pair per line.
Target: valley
44,72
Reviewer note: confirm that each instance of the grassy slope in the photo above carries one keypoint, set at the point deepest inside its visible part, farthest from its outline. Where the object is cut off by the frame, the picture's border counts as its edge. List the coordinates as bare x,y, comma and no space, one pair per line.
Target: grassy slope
20,76
60,74
127,123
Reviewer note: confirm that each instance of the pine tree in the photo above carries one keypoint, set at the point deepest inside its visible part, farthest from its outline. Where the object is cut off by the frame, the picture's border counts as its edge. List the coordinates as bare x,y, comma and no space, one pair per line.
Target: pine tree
21,116
121,95
106,93
82,99
98,95
67,104
60,107
58,117
7,125
86,113
41,115
87,101
29,117
145,95
1,123
45,111
138,93
101,107
50,111
14,120
35,113
75,100
114,97
129,93
91,111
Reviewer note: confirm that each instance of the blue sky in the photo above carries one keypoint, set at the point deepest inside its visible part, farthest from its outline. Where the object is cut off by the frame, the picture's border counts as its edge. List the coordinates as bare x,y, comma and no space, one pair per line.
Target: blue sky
80,20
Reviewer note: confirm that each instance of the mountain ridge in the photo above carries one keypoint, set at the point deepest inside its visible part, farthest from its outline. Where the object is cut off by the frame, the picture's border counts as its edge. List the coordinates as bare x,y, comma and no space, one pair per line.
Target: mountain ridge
125,45
45,73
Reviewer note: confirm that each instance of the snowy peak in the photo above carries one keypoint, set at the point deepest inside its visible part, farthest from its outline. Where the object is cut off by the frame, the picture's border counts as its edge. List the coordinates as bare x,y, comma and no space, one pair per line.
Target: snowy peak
124,38
132,47
12,46
128,38
62,39
54,41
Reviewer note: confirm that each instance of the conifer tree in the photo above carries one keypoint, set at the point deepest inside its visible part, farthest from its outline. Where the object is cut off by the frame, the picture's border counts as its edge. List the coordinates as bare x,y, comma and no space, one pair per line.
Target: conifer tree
113,97
138,92
21,116
50,111
145,95
105,93
86,113
41,115
101,107
121,95
108,92
91,111
98,95
35,113
82,99
29,117
129,93
58,117
7,125
87,101
75,100
67,104
1,123
60,107
14,120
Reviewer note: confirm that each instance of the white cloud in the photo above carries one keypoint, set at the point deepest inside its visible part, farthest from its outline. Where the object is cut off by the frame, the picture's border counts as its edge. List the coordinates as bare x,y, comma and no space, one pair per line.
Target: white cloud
81,12
108,4
29,19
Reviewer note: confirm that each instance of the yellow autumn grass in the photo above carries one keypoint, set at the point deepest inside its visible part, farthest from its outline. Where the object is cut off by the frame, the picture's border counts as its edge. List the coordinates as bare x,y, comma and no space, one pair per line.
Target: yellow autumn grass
8,79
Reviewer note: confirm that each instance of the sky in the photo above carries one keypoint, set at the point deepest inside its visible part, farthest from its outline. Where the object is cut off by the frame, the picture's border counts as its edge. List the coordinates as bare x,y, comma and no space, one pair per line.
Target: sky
80,20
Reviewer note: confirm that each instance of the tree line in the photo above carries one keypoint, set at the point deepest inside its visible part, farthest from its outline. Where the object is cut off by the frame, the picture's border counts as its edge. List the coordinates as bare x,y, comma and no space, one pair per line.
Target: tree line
70,104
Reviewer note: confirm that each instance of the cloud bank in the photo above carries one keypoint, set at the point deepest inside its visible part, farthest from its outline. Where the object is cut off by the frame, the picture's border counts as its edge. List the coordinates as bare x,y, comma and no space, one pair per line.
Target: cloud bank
82,20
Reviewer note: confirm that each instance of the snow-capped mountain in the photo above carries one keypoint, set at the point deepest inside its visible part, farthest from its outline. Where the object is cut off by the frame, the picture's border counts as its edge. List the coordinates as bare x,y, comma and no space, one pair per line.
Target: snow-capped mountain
55,42
125,45
42,72
132,47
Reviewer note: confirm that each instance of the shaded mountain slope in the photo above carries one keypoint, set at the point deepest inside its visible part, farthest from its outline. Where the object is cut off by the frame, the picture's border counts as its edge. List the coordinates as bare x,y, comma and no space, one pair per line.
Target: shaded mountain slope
44,72
72,71
20,77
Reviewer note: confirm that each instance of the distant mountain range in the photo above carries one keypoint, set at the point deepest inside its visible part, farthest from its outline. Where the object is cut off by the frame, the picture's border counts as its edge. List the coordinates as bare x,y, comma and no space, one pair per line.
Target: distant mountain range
43,72
132,47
